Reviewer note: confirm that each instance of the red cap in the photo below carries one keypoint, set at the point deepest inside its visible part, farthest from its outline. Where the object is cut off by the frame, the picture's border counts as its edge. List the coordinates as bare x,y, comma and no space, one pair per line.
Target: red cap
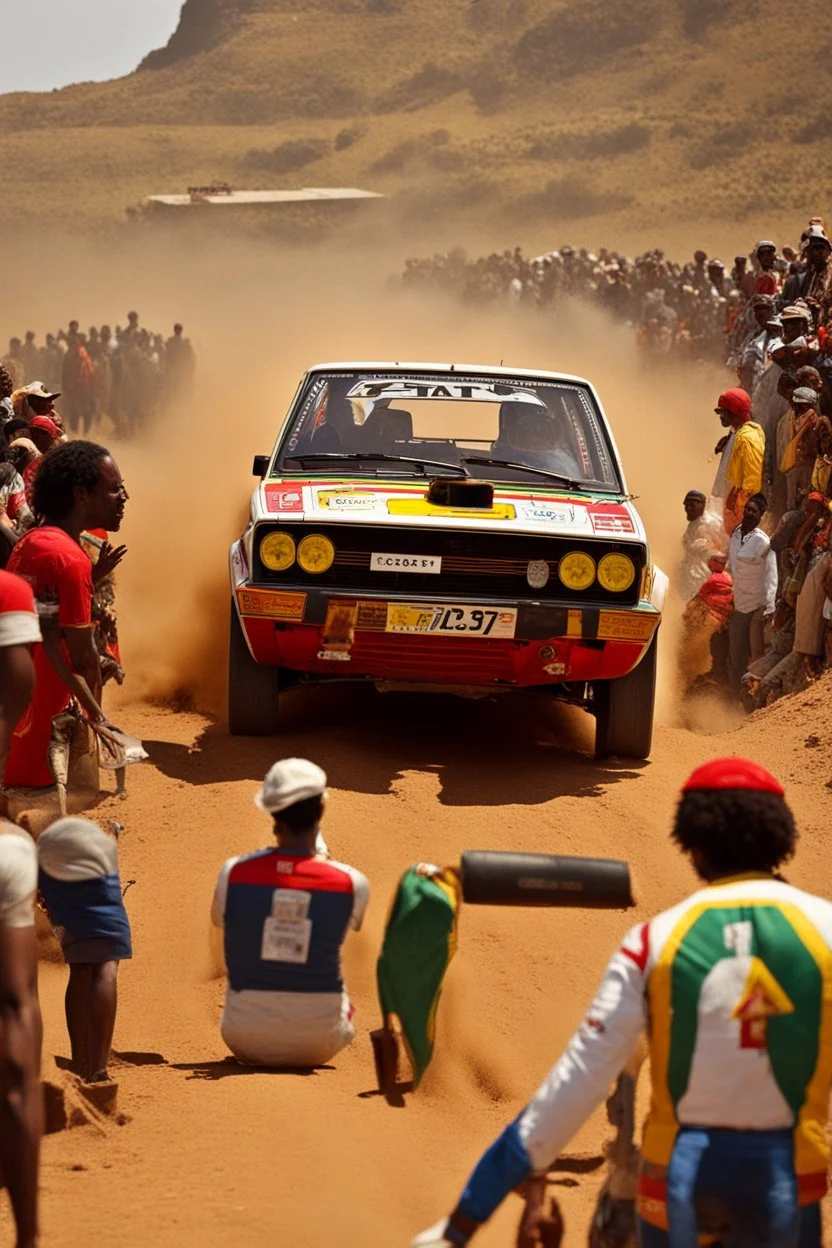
43,422
737,402
732,773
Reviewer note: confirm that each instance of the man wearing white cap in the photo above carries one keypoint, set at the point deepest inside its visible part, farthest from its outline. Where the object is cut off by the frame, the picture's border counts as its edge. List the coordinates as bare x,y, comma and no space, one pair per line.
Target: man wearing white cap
285,912
21,1099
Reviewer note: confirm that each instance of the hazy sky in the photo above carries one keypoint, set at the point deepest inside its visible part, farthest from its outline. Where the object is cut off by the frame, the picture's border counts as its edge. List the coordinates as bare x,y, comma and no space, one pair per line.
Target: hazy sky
51,43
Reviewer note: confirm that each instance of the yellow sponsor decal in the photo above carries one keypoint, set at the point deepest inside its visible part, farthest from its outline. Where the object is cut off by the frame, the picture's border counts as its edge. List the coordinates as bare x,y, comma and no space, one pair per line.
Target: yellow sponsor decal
626,625
421,507
372,616
573,624
271,604
348,499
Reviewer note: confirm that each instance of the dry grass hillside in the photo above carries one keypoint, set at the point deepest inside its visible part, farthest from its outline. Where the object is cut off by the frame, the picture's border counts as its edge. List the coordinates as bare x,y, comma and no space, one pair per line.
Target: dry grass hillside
505,113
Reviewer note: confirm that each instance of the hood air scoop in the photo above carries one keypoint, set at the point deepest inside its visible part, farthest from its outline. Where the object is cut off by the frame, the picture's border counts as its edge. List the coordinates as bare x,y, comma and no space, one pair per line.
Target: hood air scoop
461,492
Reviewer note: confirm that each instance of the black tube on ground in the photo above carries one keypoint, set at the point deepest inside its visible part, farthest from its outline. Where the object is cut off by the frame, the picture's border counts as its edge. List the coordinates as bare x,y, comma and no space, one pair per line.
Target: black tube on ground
493,878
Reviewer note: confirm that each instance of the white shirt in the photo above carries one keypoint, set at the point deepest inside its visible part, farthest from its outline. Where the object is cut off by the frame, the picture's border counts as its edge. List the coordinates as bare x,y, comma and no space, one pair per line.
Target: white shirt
18,876
720,487
753,567
702,538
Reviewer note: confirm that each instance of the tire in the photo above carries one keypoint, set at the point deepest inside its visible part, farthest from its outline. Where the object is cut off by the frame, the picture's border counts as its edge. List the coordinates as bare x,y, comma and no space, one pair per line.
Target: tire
253,689
624,710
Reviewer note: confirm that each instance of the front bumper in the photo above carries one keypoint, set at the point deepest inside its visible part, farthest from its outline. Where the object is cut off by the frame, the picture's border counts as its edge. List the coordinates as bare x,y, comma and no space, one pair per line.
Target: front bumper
551,644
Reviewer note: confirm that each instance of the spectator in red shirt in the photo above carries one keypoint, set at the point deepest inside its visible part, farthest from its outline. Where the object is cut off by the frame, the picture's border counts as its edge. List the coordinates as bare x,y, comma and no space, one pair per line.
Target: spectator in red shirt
45,435
78,487
19,630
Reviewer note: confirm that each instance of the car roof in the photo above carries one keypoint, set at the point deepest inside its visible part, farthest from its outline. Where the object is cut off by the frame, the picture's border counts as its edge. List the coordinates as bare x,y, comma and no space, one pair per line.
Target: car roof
410,366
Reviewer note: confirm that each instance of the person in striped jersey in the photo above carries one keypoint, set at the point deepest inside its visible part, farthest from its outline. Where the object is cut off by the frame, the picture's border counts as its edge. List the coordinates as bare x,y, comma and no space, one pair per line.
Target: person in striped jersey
733,988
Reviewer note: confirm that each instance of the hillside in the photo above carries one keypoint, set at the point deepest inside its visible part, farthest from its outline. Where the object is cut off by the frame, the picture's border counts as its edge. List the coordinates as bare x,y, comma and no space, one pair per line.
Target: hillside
516,112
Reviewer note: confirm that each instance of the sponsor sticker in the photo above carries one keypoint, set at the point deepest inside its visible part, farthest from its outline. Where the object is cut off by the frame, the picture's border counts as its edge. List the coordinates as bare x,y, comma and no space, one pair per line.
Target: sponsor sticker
617,521
626,625
372,616
284,498
271,604
421,507
540,513
347,500
380,562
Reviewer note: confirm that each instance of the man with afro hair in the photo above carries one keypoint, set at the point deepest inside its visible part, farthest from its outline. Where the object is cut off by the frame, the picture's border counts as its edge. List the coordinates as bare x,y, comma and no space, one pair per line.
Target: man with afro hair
78,487
733,988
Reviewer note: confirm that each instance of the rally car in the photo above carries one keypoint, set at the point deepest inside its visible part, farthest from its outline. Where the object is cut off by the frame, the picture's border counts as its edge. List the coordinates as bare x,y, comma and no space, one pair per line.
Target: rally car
458,528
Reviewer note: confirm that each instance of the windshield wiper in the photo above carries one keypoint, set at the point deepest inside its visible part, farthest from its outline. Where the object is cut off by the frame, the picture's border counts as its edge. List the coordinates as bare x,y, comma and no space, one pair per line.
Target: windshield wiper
380,457
541,472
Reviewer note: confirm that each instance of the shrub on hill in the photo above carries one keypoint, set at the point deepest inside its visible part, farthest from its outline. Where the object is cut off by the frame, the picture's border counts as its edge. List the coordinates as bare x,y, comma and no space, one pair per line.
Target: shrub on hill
581,146
568,197
286,157
583,32
432,82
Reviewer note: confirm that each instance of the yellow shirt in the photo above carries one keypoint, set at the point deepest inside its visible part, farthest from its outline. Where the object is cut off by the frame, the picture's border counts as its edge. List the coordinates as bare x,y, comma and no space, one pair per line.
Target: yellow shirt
745,467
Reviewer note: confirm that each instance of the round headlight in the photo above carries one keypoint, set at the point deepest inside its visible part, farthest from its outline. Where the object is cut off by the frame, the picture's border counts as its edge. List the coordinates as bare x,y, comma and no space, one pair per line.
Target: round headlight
616,573
277,551
577,570
316,553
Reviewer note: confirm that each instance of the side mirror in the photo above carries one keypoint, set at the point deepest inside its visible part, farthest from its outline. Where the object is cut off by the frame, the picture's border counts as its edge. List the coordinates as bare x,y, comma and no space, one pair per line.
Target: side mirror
260,466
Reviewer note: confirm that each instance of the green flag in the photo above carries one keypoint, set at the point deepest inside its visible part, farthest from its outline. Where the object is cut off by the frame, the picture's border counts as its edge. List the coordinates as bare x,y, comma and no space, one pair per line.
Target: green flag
419,942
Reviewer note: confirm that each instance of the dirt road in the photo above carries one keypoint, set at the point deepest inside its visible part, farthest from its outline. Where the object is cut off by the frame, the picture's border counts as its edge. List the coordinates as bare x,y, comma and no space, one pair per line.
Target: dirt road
213,1154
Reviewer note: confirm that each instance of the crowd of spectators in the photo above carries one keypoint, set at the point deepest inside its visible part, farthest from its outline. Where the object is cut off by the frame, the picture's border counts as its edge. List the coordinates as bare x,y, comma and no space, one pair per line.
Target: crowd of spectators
757,569
699,309
109,380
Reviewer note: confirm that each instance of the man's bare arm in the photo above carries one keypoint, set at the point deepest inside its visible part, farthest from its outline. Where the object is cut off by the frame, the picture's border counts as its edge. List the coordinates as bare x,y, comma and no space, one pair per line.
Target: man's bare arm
17,680
83,662
21,1101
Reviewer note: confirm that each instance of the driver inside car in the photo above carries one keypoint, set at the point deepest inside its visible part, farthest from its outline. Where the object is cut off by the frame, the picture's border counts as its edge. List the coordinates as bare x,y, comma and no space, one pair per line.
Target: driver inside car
530,435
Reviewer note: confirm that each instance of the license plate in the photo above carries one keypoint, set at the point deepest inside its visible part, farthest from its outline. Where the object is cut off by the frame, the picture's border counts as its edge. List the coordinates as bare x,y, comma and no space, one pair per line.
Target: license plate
380,562
451,621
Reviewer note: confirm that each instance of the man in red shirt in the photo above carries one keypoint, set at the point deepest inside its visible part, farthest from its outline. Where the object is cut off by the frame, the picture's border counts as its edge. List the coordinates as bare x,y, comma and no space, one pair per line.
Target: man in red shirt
19,630
78,487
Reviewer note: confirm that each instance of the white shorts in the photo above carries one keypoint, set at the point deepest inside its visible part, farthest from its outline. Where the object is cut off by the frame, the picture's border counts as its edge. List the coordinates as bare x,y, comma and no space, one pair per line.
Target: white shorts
286,1028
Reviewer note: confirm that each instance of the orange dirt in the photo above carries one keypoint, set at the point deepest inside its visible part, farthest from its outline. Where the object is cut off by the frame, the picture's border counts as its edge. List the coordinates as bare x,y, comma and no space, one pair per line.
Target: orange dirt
213,1152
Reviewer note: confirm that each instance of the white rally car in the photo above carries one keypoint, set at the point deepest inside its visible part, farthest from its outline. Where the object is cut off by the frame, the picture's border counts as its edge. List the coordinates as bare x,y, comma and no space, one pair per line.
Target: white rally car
446,526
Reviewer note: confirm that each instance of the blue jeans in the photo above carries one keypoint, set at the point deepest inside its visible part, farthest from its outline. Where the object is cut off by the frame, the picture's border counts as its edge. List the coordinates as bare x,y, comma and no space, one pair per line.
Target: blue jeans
739,1185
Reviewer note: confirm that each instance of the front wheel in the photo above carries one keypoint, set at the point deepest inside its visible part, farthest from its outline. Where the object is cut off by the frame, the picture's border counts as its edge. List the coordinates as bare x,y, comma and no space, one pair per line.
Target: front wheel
253,688
624,710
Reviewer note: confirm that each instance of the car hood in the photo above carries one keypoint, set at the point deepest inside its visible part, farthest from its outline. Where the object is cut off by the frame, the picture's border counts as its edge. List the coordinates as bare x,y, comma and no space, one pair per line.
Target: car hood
527,509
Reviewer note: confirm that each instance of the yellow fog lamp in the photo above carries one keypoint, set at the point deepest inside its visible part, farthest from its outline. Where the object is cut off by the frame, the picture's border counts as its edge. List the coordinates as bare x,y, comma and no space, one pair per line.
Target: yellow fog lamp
316,553
616,573
577,570
277,552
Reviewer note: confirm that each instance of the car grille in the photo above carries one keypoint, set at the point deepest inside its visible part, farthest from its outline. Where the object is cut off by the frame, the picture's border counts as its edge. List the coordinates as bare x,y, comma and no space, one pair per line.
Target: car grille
474,564
457,659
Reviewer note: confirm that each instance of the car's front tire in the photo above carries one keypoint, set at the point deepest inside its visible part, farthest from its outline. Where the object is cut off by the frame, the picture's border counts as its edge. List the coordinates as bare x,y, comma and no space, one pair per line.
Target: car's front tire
624,710
253,689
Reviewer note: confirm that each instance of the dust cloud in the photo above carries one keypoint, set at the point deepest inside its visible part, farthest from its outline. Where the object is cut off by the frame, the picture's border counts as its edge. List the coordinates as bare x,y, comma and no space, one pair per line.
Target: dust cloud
258,316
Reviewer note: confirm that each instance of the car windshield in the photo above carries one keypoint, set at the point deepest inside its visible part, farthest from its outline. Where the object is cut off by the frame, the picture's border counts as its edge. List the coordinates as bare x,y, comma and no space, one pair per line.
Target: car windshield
426,424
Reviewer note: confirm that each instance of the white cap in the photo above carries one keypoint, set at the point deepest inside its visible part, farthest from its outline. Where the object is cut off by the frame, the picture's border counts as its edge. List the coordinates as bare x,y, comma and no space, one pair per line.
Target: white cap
76,849
289,781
